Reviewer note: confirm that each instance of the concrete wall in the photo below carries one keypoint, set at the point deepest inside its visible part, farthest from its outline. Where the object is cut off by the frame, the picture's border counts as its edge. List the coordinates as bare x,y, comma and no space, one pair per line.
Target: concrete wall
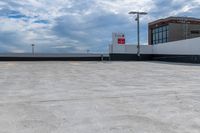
184,47
192,28
53,57
130,49
182,31
187,51
176,32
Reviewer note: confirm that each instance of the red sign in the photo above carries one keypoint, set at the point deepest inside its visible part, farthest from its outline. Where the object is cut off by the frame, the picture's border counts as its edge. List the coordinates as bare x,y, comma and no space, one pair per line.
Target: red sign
121,41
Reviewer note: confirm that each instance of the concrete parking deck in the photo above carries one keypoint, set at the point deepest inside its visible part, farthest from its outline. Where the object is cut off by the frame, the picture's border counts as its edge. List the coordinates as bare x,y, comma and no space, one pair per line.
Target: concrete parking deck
99,97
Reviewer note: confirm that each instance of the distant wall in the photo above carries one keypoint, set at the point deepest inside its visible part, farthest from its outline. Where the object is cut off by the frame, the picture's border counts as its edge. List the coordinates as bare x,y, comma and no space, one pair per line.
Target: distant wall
178,51
129,52
184,47
130,49
53,57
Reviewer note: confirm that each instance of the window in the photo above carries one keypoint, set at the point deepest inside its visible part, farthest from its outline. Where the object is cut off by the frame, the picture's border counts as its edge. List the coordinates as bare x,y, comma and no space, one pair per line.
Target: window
154,31
157,36
154,42
165,40
164,28
164,34
154,37
160,29
160,34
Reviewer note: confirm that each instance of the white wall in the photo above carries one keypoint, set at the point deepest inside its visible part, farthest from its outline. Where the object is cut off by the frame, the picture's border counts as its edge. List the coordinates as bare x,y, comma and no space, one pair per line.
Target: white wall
146,49
184,47
130,49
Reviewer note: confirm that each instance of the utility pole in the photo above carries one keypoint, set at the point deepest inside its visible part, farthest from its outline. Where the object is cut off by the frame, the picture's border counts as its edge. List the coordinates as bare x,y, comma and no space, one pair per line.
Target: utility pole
138,29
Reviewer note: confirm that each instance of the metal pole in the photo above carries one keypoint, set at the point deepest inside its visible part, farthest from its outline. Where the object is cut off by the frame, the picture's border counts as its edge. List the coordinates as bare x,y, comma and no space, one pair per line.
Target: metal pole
138,34
33,50
138,30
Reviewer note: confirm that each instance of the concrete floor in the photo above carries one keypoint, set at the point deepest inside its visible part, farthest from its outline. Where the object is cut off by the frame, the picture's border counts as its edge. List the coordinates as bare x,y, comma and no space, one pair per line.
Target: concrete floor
99,97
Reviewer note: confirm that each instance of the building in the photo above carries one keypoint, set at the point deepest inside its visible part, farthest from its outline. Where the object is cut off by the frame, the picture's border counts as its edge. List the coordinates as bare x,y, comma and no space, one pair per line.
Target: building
173,29
177,40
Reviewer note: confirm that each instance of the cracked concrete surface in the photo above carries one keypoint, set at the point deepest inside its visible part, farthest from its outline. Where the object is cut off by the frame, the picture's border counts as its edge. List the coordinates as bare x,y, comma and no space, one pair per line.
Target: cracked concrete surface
100,97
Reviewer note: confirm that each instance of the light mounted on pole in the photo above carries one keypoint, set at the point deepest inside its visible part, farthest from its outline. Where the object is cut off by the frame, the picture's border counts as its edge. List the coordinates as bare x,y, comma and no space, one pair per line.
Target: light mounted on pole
33,49
138,28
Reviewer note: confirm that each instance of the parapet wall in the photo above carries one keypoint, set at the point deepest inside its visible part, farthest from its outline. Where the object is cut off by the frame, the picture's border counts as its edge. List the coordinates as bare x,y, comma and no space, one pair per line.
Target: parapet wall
130,49
53,57
184,47
178,51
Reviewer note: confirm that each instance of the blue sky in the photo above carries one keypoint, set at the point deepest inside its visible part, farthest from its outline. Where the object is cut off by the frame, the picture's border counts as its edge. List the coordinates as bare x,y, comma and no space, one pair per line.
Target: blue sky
77,25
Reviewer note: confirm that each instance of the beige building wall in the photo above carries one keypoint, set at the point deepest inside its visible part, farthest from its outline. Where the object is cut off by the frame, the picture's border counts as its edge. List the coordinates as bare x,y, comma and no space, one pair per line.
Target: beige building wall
182,31
176,32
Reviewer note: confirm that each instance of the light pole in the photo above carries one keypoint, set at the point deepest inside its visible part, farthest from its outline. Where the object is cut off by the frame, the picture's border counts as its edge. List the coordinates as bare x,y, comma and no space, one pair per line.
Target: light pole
138,28
33,49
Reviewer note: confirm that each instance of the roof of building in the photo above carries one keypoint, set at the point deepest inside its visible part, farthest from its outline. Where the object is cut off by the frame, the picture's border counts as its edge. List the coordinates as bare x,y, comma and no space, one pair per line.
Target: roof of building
174,19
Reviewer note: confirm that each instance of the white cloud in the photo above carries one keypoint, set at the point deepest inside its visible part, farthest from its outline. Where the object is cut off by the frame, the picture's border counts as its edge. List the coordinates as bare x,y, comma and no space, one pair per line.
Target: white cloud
185,6
123,7
81,24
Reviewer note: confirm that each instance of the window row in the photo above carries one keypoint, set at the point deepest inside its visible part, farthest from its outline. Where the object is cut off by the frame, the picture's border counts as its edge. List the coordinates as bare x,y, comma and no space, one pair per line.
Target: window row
160,35
160,29
164,40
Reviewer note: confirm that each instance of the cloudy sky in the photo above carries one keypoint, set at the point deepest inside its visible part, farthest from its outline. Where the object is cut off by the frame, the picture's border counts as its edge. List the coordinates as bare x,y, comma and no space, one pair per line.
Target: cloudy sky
78,25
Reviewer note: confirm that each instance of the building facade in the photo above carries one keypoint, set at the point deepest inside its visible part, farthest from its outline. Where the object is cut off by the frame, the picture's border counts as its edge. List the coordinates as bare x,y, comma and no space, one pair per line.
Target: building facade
173,29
